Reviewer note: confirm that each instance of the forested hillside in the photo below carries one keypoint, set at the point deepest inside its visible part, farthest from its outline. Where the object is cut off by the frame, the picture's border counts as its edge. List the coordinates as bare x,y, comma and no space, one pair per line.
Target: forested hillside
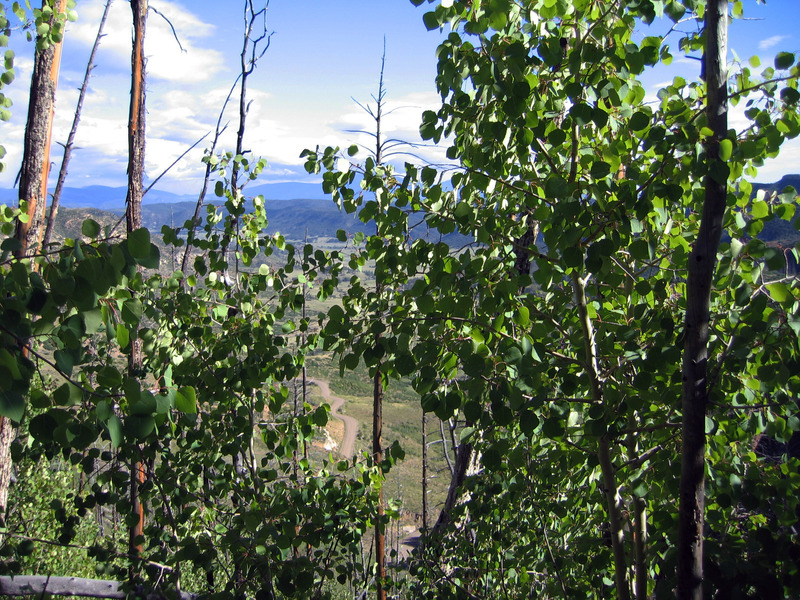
571,356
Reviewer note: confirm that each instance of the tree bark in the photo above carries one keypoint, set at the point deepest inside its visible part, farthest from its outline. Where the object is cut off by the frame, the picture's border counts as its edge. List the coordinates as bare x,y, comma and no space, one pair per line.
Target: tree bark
702,262
133,215
33,189
136,119
467,464
614,504
38,585
38,133
6,437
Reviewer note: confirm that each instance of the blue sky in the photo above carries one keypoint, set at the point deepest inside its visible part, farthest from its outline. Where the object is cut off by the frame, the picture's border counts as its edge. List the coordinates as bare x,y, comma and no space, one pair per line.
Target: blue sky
323,53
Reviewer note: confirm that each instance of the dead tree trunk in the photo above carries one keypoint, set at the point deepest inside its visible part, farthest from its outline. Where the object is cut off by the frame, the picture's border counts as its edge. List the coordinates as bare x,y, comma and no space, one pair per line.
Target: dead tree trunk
33,189
62,173
38,132
702,263
136,119
40,585
252,51
136,144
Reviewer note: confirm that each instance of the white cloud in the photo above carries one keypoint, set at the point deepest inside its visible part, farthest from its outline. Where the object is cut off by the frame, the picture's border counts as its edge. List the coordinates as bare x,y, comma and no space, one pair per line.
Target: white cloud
165,60
771,42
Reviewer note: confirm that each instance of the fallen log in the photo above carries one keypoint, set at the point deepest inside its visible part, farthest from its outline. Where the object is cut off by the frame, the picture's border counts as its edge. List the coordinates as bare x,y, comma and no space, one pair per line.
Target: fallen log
30,585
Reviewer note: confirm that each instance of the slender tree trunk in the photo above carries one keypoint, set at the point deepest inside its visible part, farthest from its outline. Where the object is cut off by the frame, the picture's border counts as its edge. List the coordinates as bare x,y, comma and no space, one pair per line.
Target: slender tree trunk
377,453
136,119
136,147
218,131
702,262
425,475
639,510
467,463
136,532
6,437
38,133
33,189
62,173
248,60
614,504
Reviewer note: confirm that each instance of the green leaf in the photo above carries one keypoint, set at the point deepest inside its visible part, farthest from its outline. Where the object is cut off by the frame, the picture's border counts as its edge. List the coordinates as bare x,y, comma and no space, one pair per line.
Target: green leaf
522,317
498,20
139,243
725,149
138,427
132,311
600,169
123,336
12,405
639,121
760,209
553,428
320,416
186,400
790,95
430,20
780,292
90,228
405,364
528,422
556,187
784,60
67,394
92,320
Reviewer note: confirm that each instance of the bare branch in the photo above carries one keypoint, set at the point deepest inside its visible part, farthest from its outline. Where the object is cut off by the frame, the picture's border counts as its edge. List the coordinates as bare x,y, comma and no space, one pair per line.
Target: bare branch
175,162
171,26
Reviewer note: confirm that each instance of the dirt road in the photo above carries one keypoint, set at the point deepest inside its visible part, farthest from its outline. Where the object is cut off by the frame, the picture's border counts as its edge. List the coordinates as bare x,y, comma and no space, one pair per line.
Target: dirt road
350,424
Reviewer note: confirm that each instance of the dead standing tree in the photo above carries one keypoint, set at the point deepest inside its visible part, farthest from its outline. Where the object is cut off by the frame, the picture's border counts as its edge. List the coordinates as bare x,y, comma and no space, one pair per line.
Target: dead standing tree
33,176
133,216
381,146
255,44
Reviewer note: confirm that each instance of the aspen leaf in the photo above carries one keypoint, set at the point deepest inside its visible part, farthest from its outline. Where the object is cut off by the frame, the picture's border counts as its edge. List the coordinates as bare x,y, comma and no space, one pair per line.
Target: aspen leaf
725,149
186,400
784,60
779,291
760,209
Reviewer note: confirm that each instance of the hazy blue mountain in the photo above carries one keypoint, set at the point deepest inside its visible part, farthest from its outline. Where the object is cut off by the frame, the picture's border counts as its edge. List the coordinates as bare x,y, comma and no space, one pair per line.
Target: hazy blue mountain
783,233
292,218
295,209
113,198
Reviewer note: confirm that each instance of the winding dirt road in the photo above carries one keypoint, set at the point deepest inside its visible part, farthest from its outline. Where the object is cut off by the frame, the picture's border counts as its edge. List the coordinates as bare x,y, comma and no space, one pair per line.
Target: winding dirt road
350,424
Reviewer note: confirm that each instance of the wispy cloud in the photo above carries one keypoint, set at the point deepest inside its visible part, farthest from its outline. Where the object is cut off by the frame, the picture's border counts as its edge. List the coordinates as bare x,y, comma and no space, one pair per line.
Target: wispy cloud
166,60
771,42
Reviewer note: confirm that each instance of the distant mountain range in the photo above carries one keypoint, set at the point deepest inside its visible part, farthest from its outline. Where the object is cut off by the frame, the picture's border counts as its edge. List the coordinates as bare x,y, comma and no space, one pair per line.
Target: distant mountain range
113,198
293,209
778,231
298,210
